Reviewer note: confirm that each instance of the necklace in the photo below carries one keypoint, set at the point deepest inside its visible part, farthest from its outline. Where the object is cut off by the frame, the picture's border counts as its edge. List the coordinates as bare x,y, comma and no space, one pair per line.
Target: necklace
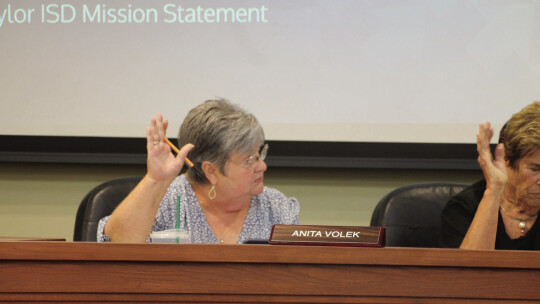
226,232
522,225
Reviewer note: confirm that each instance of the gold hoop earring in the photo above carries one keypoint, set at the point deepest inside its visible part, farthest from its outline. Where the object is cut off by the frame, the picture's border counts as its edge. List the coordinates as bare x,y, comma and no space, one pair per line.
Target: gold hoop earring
212,192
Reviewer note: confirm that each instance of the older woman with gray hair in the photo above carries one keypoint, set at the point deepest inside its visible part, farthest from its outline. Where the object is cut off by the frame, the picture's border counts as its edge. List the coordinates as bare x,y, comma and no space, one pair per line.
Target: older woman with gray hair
222,198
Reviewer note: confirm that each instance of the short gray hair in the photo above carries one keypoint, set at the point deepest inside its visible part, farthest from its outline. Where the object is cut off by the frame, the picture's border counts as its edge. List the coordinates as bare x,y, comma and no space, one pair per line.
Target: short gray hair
217,129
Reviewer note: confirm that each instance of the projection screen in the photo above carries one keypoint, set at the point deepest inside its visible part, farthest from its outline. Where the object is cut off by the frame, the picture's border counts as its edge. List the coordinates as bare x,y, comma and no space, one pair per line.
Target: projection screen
406,71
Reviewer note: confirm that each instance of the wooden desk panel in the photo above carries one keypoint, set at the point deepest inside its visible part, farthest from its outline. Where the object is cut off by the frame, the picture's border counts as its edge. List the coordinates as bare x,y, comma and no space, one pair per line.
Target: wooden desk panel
65,271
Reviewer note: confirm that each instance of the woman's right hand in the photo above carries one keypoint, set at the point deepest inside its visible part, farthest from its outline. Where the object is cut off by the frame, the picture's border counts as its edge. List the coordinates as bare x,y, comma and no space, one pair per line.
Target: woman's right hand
161,164
482,232
494,169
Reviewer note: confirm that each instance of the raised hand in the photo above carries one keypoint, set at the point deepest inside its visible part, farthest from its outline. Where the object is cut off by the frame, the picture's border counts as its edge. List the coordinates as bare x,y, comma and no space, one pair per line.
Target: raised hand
161,162
494,169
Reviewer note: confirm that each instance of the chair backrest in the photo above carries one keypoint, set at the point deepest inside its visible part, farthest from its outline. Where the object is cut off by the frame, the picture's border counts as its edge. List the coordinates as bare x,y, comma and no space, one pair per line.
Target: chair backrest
412,214
98,203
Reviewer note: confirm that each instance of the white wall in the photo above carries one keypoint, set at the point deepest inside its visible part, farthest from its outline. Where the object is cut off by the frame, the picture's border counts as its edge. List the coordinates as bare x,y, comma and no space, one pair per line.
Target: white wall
41,200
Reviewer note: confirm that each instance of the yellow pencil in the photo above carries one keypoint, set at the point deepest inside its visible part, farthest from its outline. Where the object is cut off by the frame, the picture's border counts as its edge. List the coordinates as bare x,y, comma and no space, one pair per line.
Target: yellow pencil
177,151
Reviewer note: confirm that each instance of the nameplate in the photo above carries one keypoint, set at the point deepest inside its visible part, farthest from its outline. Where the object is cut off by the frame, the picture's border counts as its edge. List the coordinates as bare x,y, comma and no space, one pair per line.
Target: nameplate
327,235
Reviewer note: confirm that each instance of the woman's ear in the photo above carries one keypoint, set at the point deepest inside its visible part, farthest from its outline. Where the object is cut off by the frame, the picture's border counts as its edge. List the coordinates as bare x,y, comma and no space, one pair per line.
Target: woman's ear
210,171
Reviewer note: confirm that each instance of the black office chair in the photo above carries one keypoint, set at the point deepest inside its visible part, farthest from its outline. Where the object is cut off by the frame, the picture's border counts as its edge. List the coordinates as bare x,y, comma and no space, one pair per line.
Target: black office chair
98,203
412,214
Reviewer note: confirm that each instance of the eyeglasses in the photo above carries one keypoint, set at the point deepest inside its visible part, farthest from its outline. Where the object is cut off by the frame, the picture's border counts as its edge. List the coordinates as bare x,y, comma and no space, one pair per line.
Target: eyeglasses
261,154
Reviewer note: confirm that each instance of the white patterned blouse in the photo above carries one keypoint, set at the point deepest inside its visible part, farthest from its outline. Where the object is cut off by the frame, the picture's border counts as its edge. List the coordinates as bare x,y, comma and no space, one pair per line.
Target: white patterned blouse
266,209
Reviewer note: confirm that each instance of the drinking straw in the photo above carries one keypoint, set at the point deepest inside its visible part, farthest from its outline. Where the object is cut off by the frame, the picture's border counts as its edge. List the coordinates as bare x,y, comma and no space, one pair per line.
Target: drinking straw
178,219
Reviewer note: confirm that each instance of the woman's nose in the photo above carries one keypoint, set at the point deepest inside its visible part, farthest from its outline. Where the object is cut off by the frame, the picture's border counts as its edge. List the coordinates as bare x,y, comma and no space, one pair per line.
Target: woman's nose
260,165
